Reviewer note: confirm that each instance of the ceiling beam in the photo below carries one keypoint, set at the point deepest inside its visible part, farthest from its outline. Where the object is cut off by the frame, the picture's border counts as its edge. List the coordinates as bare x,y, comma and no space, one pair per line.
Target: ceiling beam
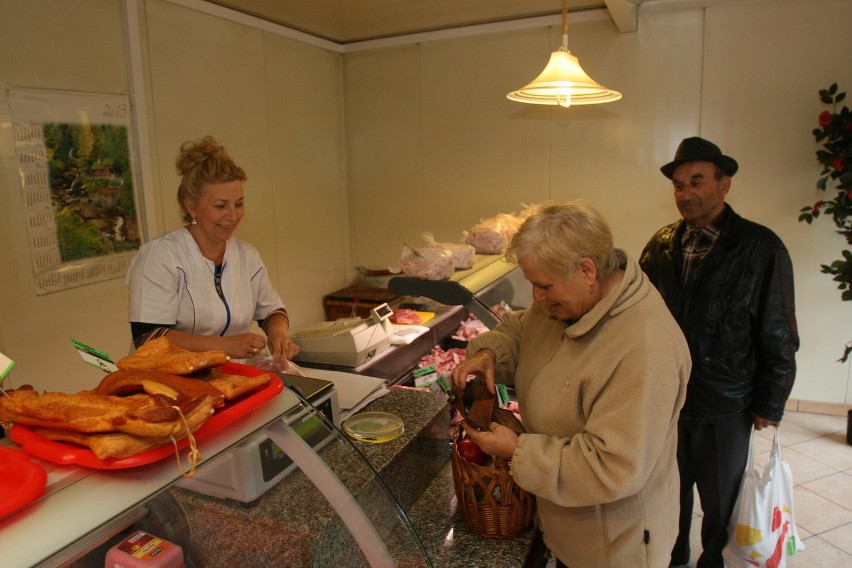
624,14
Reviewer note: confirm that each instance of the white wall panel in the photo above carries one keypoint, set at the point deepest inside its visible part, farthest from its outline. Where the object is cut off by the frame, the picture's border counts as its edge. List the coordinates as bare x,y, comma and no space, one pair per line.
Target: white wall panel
52,45
384,153
310,204
609,155
275,104
743,74
480,156
766,62
420,137
208,78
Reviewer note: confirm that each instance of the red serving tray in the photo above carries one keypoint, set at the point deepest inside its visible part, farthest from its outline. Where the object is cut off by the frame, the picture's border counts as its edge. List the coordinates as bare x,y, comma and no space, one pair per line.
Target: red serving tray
64,454
21,480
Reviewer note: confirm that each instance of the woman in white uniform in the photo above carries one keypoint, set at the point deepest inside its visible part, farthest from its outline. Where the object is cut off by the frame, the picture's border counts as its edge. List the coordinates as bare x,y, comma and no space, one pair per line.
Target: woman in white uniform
199,285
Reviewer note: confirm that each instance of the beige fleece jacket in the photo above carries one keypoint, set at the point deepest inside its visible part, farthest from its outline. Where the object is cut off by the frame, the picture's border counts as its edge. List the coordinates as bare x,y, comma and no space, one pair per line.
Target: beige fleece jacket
600,400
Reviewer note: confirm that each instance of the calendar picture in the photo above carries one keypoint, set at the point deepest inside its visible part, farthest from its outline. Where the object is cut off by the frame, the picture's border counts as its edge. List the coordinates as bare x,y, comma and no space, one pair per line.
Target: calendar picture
74,154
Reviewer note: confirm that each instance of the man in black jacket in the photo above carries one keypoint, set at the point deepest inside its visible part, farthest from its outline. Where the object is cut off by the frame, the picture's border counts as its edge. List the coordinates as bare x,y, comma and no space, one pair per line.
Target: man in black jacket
729,283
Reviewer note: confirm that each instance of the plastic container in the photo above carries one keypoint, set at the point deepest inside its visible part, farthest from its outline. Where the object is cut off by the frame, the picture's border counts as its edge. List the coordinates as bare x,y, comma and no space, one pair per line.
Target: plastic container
374,427
144,550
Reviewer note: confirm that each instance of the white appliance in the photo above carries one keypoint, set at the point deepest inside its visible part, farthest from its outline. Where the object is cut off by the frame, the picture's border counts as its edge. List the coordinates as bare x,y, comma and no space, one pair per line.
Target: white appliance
348,342
256,464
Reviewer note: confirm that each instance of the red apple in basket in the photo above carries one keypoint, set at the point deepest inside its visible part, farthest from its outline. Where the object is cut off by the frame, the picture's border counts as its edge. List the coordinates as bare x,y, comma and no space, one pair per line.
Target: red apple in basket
471,452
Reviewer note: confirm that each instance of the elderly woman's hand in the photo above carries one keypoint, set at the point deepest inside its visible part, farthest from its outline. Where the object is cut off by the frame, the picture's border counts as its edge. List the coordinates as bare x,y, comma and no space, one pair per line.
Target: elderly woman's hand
480,363
498,441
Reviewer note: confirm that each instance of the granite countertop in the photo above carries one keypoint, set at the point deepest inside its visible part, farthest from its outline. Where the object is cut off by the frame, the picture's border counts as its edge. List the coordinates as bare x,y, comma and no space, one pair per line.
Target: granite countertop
292,525
448,541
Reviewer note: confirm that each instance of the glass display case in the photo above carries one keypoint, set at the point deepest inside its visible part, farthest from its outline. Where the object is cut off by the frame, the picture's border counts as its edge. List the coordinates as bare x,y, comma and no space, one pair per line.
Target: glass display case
281,484
328,507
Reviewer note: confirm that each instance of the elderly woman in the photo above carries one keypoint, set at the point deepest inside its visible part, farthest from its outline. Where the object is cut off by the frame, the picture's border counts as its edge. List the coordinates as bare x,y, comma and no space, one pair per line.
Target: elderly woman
600,370
199,285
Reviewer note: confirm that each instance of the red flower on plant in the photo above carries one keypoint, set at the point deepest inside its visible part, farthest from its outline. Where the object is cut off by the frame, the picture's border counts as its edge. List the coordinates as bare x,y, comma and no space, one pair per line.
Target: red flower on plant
835,138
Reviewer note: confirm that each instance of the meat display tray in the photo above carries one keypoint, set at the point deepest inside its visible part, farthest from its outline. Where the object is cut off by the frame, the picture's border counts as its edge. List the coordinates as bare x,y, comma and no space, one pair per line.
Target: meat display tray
63,453
21,480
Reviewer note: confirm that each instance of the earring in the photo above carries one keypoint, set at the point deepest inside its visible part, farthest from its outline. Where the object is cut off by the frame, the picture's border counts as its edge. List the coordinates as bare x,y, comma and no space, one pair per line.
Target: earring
194,222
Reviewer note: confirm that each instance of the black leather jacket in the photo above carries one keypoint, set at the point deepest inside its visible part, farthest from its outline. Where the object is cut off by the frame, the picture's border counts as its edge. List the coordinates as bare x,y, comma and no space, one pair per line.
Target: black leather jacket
738,316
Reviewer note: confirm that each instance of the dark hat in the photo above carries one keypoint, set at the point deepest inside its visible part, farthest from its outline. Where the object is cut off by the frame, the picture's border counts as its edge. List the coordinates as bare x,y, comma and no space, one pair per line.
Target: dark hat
697,149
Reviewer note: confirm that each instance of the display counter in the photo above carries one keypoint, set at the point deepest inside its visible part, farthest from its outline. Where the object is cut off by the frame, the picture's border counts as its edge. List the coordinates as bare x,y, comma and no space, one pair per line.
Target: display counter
490,281
354,504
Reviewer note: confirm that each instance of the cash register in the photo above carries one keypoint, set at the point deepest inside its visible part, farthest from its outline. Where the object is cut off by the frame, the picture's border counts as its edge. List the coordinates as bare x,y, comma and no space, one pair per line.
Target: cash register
348,342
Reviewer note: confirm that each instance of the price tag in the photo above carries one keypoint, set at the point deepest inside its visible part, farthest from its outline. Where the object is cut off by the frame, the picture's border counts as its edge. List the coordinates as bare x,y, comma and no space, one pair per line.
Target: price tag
428,377
6,365
503,397
94,357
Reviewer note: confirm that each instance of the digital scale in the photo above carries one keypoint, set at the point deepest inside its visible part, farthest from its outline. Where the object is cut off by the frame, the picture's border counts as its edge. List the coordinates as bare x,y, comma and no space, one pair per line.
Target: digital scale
249,469
348,342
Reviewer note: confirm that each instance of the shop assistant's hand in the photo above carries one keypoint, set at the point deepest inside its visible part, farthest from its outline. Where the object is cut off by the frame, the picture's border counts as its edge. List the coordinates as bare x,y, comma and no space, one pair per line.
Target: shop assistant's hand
481,363
760,422
498,441
280,343
243,345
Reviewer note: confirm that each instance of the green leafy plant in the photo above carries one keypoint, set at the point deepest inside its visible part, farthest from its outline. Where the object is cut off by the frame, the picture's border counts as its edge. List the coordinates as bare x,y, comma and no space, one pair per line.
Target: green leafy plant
835,136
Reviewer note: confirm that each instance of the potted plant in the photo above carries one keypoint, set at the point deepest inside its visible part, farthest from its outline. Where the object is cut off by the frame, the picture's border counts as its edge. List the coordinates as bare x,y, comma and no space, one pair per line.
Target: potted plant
835,137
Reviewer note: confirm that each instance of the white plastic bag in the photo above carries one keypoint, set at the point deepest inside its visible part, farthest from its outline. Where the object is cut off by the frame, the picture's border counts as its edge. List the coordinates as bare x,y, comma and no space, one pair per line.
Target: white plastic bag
493,235
428,263
464,254
762,531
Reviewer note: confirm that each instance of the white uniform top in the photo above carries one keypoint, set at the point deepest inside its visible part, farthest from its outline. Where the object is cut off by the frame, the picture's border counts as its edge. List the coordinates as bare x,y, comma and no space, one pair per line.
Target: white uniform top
172,284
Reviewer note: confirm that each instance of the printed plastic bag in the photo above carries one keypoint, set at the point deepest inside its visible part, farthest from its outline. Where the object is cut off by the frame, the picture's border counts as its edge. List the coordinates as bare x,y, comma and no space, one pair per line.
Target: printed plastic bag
762,531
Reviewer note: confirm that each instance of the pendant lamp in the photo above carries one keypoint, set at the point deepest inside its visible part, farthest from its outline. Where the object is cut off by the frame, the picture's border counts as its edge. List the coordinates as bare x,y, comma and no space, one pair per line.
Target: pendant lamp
563,82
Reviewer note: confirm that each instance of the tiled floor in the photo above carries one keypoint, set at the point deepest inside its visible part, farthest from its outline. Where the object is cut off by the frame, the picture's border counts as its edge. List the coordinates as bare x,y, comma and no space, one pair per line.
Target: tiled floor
814,445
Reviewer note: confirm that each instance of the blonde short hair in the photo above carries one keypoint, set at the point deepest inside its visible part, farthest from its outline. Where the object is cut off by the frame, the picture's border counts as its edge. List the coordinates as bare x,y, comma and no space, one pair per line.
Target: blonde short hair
201,162
559,235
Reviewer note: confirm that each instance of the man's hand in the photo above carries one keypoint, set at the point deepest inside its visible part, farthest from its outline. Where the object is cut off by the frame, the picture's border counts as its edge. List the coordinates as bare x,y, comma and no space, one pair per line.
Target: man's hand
760,422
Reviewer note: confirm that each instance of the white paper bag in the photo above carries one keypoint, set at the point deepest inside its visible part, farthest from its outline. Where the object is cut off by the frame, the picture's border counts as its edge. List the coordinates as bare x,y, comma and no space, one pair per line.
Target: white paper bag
762,531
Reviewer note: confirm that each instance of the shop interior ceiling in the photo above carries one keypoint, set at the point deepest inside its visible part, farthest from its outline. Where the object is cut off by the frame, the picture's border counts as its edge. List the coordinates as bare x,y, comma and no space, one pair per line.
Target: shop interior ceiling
352,21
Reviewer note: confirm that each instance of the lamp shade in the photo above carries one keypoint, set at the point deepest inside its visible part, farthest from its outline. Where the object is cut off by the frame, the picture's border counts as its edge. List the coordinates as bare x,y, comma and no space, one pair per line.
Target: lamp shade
563,82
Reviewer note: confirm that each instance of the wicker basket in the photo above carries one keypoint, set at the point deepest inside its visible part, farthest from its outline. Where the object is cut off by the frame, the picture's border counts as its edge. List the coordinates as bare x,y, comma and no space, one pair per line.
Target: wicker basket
490,502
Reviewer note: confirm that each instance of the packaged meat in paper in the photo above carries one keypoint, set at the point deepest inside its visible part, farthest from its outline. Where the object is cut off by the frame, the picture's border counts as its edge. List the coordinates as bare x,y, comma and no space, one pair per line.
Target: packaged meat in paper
463,253
528,211
493,235
428,263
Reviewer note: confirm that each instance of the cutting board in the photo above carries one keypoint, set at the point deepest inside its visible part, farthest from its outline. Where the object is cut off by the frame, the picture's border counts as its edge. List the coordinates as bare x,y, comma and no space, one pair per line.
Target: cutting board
425,317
